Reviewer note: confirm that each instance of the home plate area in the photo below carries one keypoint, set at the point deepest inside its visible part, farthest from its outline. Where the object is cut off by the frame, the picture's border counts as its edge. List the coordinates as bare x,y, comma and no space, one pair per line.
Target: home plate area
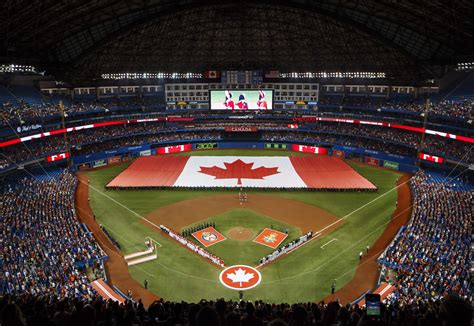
208,236
270,238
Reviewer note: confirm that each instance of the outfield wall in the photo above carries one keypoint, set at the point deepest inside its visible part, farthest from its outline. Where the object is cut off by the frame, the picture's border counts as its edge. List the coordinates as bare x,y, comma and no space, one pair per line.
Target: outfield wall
371,157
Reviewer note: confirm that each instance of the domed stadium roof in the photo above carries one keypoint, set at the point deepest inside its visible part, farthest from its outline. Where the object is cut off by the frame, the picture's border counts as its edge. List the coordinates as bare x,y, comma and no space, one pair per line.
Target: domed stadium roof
82,39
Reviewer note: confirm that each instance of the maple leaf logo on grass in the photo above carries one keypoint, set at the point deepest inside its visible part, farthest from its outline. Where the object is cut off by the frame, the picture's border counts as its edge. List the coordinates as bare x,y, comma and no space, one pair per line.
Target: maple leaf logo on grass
240,276
239,170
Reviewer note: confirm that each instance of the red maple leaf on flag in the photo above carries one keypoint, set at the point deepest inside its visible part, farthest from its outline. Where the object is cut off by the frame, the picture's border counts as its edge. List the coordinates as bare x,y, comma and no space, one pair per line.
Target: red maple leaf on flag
239,170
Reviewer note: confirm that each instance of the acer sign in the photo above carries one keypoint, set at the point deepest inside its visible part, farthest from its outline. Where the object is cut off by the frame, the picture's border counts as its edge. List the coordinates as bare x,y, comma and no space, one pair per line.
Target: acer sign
206,145
309,149
174,149
57,157
430,158
240,277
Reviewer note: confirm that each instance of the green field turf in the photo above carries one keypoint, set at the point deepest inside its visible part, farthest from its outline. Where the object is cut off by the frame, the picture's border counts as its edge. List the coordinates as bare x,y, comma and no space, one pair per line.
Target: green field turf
304,275
235,252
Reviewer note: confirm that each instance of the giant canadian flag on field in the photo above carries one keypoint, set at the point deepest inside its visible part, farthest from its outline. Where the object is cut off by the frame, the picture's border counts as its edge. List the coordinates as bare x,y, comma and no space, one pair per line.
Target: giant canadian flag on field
241,171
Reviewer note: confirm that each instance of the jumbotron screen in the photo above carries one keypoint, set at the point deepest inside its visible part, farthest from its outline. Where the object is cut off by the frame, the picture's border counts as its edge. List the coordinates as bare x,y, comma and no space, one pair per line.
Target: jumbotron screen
241,99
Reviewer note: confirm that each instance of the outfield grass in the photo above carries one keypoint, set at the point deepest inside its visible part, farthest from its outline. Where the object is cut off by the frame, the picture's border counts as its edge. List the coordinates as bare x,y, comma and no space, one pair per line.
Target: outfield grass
235,252
304,275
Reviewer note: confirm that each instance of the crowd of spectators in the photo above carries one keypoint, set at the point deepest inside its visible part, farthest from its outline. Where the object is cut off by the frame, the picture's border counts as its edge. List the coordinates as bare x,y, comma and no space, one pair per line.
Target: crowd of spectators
378,139
446,108
432,255
193,247
44,250
27,113
461,110
45,311
371,137
24,112
94,140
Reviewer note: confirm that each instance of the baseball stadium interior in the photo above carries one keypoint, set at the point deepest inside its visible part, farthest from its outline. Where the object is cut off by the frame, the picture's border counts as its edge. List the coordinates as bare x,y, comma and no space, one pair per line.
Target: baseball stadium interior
198,162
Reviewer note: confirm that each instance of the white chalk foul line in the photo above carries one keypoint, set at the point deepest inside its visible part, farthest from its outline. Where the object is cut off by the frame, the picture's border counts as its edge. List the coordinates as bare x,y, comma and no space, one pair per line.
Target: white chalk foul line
324,245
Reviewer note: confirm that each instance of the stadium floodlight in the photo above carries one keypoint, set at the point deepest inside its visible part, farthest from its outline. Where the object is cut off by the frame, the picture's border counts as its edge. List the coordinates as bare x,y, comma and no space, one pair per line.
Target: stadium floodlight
9,68
336,74
465,66
152,75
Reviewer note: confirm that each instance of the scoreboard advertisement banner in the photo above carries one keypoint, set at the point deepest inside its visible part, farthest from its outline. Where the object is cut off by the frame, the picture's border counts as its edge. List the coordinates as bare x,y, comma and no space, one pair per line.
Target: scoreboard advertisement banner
174,149
99,163
276,146
114,159
241,99
309,149
431,158
145,152
372,160
390,165
206,146
57,157
240,129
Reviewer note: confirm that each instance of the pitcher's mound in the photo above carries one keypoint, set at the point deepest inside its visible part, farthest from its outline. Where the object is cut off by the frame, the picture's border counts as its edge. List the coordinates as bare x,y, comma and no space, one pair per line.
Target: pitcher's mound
241,234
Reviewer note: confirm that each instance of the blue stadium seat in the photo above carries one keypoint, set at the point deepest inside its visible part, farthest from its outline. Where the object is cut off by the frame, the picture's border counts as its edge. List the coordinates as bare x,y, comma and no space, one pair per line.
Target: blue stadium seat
29,94
7,96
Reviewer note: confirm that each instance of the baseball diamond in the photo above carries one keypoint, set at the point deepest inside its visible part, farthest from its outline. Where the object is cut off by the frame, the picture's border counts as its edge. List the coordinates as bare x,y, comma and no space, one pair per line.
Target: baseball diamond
221,163
294,212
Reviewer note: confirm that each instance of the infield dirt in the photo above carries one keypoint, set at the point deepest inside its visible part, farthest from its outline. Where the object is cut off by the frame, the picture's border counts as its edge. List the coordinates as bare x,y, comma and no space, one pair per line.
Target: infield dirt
304,216
240,234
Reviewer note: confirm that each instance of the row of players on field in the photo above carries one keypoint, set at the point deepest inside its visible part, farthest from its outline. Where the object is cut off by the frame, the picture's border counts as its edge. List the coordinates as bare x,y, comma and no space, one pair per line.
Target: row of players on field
190,231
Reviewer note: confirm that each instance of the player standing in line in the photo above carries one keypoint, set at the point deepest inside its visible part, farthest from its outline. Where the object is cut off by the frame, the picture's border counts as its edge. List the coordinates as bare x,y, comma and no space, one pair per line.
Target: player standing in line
242,104
229,102
262,103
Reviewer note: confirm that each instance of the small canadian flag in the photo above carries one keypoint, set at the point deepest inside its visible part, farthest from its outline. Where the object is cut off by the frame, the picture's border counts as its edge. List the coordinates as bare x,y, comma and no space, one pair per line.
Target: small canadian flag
211,74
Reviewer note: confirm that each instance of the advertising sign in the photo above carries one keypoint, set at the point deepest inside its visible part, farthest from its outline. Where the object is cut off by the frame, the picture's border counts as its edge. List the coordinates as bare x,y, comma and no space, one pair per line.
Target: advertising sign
276,146
99,163
309,149
206,145
431,158
372,160
145,153
114,159
240,129
174,149
390,165
57,157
